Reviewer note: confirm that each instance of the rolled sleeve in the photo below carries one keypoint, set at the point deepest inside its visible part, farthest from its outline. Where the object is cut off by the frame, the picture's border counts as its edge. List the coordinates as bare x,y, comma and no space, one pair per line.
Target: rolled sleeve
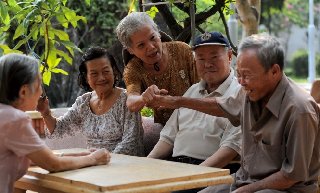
232,138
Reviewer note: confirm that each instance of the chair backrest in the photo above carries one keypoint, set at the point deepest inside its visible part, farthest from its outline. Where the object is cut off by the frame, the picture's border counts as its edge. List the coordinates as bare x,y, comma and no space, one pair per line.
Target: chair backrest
127,56
315,90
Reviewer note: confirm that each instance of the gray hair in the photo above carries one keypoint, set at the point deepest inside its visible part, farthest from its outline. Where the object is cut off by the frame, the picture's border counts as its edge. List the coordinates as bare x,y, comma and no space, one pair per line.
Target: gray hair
16,70
268,49
131,24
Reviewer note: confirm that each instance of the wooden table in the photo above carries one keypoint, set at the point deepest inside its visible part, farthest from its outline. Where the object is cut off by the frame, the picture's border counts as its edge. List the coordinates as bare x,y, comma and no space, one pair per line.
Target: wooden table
124,174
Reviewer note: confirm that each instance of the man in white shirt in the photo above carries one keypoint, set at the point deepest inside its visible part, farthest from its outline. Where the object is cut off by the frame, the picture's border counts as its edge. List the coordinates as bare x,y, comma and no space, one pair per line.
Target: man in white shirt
194,137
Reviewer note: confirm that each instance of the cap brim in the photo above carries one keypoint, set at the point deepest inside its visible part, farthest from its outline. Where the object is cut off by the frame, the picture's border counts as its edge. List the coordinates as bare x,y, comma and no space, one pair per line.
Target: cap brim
209,44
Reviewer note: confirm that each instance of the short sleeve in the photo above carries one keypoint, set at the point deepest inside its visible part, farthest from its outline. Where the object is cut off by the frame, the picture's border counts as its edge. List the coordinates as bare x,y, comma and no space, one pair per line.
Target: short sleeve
22,138
301,135
232,105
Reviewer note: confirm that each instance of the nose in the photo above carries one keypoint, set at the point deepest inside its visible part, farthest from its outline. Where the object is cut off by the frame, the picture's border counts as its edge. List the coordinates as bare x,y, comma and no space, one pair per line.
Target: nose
101,76
150,45
208,64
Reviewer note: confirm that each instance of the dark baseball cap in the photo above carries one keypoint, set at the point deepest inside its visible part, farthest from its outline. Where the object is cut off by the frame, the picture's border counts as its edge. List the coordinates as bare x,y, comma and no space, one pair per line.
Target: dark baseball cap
211,38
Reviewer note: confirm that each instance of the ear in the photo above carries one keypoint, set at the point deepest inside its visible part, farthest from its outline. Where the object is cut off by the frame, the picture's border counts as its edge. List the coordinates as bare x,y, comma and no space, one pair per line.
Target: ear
23,92
275,70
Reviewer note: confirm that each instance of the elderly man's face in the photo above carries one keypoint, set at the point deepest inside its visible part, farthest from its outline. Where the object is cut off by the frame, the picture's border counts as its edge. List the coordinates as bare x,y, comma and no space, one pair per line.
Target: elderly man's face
258,83
213,63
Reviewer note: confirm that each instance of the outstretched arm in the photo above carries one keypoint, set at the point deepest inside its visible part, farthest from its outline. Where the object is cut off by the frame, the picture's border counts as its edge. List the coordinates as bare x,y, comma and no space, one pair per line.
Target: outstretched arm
205,105
46,159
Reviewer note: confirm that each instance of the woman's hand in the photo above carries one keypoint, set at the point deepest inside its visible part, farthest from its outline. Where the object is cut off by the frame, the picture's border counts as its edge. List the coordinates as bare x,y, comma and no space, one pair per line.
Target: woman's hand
101,156
43,106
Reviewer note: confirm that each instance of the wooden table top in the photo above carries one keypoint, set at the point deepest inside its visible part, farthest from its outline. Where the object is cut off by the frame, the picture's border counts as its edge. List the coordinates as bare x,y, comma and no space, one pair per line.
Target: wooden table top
131,174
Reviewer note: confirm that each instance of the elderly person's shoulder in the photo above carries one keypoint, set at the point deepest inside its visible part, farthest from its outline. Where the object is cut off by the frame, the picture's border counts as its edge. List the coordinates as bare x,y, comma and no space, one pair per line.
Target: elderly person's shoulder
11,114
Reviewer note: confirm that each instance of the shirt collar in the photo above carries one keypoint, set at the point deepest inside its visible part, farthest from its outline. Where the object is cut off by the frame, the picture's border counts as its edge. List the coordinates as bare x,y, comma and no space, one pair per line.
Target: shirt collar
274,103
222,87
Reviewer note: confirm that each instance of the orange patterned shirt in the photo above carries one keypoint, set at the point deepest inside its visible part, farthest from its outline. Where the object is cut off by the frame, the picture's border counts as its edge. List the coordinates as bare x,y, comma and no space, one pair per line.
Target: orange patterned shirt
179,76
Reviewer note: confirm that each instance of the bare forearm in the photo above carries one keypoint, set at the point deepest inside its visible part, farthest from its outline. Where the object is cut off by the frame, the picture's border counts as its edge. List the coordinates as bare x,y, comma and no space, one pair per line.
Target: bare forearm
220,158
161,150
205,105
276,181
53,163
135,103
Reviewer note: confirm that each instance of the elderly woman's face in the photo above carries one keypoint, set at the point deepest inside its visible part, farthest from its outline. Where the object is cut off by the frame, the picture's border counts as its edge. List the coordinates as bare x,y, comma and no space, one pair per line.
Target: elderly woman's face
100,74
146,45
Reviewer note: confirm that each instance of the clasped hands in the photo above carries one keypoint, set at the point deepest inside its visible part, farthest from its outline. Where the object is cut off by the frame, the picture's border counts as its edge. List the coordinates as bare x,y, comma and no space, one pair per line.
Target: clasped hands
156,98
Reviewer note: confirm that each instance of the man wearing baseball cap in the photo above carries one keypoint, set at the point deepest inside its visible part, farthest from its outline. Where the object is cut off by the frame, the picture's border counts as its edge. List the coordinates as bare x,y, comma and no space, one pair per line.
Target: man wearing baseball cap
190,136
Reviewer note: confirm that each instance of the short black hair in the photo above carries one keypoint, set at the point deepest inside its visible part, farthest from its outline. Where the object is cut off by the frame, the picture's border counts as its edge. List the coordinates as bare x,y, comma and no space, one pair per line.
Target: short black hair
16,70
91,54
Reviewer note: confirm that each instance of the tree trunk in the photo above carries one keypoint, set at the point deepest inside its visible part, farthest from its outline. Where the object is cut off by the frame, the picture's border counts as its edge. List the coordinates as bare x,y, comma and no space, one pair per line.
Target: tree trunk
249,14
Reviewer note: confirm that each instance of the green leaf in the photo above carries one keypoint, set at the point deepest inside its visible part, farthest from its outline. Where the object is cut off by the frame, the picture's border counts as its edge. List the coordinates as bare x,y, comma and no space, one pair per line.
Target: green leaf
19,31
87,2
152,12
64,2
60,34
62,20
46,77
4,15
34,31
7,50
58,70
65,56
70,45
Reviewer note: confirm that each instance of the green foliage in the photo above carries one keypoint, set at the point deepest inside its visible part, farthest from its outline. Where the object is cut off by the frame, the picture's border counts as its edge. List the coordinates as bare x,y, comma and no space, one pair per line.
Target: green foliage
36,24
277,15
146,112
102,18
299,63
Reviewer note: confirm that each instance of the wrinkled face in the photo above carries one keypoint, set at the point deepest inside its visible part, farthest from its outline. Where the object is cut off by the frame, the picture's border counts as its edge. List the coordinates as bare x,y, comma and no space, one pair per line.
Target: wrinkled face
100,74
146,45
258,83
213,63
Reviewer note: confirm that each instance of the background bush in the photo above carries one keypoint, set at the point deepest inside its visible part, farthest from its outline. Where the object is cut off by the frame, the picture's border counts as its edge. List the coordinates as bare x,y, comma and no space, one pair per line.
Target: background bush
299,63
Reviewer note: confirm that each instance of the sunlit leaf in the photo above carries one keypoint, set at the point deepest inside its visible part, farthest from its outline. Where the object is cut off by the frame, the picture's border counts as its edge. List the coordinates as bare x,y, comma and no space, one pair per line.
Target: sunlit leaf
60,34
19,31
46,77
65,56
88,2
4,15
62,20
153,12
58,70
6,50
